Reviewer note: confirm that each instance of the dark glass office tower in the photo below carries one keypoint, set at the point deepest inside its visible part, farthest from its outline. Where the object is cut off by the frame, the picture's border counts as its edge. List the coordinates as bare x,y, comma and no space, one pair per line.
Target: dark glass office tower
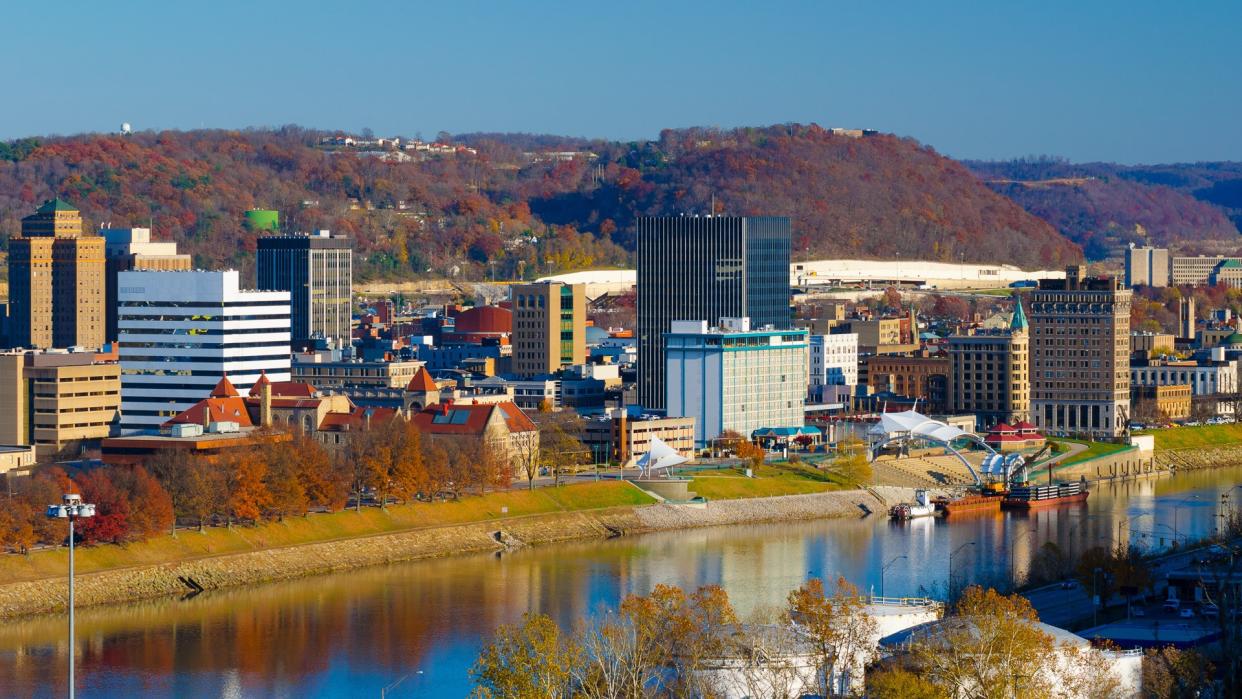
703,268
318,271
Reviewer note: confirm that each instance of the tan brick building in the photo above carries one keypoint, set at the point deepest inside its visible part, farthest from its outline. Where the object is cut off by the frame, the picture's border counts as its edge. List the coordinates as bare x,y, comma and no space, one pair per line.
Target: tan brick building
990,374
56,281
1172,402
549,327
1080,355
48,399
922,376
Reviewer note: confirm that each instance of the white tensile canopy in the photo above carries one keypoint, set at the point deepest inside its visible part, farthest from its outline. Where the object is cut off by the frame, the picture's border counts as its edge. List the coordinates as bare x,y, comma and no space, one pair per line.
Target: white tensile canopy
915,424
660,456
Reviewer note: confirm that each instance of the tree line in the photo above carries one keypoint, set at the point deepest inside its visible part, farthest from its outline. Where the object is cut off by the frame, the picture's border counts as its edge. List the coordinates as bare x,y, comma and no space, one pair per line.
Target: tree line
675,644
280,475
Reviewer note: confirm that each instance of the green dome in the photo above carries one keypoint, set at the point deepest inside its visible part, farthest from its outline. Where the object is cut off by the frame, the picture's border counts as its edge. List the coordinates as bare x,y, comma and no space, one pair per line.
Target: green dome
1234,339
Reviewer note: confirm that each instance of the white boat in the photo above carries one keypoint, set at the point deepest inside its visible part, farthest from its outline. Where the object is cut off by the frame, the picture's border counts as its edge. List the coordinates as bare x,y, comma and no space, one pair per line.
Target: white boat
921,507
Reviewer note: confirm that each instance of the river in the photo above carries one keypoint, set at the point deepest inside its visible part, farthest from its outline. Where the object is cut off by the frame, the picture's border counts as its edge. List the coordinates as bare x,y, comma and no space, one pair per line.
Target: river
351,634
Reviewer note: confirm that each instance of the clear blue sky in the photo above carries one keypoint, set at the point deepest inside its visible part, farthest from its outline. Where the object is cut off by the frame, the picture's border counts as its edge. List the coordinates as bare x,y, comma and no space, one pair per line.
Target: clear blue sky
1123,81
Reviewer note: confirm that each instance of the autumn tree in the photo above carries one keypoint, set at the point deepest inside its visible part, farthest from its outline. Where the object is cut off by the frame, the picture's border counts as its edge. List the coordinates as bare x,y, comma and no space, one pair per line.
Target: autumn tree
839,631
751,453
325,479
248,496
284,479
851,462
111,521
560,448
899,683
1171,673
407,472
990,647
151,507
532,659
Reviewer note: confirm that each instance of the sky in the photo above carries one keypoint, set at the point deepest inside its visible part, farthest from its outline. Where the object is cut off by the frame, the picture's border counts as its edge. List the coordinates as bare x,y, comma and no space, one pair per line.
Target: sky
1130,82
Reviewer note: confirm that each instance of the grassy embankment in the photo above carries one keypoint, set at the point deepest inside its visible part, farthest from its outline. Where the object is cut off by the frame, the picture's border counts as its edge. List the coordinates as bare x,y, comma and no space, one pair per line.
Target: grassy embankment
1093,450
190,544
1197,437
769,480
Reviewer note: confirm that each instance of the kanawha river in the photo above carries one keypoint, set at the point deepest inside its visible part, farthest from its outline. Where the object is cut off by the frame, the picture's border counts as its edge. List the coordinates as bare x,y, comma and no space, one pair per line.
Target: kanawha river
352,634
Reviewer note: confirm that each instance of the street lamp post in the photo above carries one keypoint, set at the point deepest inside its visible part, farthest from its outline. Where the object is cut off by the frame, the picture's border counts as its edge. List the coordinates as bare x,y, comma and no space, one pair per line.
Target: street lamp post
951,555
884,569
71,508
1095,603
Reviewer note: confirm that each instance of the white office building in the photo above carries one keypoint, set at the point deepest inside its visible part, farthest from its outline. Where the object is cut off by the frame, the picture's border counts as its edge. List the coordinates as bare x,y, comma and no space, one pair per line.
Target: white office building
734,378
834,360
180,332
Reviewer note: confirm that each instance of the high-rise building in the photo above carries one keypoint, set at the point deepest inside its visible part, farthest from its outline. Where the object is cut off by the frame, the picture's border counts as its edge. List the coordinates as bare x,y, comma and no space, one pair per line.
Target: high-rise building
132,249
56,281
706,268
834,360
549,327
318,271
1147,267
51,398
181,332
1080,355
1186,317
733,377
990,373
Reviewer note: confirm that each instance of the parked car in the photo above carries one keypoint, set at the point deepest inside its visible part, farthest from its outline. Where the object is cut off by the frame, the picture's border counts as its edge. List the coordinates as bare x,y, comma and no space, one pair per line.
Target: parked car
1209,611
1137,611
1068,584
1171,605
1187,613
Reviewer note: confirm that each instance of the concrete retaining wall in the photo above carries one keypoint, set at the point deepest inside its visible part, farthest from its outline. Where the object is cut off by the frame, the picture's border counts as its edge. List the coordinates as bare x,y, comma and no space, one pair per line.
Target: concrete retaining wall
129,584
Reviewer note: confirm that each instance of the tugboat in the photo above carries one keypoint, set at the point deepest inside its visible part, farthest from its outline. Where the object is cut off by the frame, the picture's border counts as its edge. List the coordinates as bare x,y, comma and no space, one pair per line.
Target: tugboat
921,507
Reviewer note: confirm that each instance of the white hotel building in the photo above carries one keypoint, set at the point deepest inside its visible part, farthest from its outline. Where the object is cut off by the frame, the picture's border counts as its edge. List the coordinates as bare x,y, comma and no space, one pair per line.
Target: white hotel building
735,378
180,332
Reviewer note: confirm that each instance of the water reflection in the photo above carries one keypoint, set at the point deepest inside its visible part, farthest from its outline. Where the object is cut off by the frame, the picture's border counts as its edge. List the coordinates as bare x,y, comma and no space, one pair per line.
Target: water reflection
353,633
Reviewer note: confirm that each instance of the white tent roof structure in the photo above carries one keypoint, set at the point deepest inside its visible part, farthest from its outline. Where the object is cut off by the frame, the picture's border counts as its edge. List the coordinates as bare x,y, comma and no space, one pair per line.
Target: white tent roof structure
660,455
914,424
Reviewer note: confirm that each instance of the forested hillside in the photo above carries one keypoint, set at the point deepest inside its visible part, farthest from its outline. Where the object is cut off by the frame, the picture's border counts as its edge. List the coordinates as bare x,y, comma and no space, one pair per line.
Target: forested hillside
523,205
1102,207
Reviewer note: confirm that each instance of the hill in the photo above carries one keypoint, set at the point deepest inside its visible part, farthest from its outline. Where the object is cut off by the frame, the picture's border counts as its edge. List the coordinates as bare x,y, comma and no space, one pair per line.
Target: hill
521,205
1103,206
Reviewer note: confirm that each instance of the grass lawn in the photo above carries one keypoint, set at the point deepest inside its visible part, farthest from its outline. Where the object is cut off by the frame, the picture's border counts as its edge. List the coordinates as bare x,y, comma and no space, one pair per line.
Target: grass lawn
769,480
1193,437
994,292
190,544
1093,450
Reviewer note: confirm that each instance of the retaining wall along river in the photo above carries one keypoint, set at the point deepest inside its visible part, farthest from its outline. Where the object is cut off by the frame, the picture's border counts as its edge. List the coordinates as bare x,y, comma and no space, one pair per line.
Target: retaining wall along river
255,567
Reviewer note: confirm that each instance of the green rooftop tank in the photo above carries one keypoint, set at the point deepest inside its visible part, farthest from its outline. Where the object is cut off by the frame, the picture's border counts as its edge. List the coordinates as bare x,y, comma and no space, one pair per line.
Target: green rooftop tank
263,220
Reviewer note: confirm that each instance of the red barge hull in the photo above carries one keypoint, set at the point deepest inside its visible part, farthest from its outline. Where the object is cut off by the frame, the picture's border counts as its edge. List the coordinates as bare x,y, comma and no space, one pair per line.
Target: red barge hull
1012,504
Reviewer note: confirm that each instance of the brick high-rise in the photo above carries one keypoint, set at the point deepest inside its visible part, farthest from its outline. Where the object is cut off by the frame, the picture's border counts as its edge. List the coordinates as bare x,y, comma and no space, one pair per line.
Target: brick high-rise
56,281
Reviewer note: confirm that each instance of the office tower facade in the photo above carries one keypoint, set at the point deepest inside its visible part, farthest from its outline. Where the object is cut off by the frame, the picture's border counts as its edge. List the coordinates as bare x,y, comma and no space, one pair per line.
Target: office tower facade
131,249
706,268
1198,270
56,281
549,327
1186,317
317,270
51,398
730,377
181,332
1080,355
1147,267
989,373
834,360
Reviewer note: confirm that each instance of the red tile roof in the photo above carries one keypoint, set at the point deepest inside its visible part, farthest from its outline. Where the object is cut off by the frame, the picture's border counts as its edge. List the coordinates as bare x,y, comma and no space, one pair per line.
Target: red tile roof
459,418
257,389
227,409
224,389
422,382
355,419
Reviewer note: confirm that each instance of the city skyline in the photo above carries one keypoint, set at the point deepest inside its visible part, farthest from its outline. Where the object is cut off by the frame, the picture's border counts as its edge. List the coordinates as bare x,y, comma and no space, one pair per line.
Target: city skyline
973,82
